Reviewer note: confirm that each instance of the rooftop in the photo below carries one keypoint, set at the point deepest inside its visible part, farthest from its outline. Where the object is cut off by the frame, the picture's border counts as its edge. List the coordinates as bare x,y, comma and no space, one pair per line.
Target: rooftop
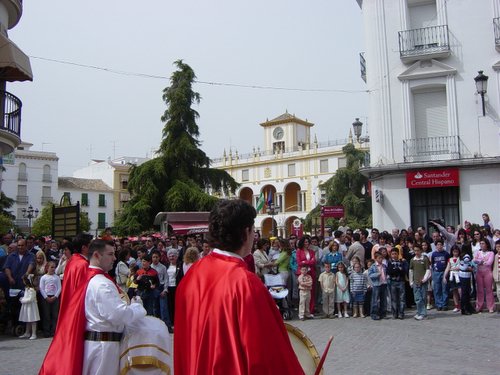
82,184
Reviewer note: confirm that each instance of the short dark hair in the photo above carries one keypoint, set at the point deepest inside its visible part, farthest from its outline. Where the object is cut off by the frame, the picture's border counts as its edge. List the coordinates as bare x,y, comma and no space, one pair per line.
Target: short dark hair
147,258
303,239
228,222
122,255
97,245
82,239
337,233
440,241
356,236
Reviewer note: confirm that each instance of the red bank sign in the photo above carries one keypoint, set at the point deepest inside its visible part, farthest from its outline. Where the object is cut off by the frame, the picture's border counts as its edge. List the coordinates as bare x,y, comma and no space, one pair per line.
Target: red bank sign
430,178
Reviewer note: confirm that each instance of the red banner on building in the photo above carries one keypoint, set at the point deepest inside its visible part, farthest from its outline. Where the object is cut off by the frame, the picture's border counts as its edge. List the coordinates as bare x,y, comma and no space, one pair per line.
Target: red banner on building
332,211
431,178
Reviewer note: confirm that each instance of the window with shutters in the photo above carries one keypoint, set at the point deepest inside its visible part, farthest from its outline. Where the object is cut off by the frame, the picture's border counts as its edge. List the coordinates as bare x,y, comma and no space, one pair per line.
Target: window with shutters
323,166
430,113
101,220
102,200
245,175
291,170
85,199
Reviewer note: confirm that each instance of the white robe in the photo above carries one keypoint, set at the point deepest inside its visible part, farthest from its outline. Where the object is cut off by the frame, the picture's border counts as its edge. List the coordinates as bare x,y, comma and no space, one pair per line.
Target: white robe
105,312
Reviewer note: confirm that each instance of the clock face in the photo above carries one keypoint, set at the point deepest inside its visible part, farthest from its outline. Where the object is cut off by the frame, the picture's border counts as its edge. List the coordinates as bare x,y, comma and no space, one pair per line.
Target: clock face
278,133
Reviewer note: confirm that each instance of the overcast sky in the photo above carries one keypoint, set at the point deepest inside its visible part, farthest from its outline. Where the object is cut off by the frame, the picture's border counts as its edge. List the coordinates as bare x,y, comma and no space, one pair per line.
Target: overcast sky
82,113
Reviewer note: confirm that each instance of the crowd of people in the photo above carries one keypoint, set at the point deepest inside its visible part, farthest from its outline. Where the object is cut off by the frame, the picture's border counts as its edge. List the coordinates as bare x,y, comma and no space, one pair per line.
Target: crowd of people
353,272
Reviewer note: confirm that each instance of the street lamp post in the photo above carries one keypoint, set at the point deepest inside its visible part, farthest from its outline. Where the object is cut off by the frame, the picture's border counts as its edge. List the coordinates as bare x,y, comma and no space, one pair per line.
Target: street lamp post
273,210
481,87
357,126
30,213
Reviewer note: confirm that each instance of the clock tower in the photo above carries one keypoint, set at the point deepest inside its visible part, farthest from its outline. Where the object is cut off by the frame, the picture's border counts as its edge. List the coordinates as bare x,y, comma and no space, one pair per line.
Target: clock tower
286,133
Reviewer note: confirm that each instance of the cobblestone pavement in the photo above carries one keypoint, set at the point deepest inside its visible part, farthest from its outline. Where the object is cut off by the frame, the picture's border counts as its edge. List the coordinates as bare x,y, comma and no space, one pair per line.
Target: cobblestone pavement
445,343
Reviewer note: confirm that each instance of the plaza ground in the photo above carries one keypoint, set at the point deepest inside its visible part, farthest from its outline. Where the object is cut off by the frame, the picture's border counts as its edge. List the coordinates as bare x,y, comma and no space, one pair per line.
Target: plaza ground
445,343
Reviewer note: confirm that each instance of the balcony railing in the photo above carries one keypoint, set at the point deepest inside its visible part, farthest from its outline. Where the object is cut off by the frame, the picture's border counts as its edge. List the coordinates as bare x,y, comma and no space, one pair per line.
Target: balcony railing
362,65
434,149
10,105
427,42
47,177
22,176
22,199
47,200
124,197
496,26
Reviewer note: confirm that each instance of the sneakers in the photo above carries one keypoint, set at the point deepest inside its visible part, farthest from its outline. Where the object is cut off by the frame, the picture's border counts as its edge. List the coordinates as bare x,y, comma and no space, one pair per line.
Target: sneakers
33,337
429,306
311,316
339,315
25,336
456,309
346,315
419,317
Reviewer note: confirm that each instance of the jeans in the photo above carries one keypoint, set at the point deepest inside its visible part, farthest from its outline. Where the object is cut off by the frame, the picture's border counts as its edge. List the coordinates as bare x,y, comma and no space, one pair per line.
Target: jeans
420,295
465,296
148,300
439,289
398,299
379,301
164,315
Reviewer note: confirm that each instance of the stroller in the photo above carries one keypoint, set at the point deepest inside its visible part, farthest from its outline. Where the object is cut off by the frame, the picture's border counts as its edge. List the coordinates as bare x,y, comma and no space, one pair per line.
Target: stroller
279,292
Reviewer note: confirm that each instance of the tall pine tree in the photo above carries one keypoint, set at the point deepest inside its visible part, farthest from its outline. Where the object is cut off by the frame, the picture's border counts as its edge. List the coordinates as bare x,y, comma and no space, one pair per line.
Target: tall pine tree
178,179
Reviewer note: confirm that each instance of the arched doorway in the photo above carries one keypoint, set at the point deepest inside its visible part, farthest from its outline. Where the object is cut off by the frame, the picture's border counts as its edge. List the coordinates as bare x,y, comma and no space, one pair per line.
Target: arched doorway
266,227
246,194
292,197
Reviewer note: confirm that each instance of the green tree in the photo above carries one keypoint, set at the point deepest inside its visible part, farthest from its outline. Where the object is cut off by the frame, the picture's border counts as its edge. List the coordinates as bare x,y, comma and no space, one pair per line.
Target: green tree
348,187
43,224
5,204
179,178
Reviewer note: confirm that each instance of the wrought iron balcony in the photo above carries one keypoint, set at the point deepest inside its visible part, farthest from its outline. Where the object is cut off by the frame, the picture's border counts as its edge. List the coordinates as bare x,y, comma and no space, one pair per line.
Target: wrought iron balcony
362,65
425,43
10,127
434,149
496,27
21,199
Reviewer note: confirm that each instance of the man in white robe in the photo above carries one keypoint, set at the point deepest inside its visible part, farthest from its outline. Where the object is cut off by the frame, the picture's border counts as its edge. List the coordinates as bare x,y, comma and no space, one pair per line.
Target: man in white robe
106,315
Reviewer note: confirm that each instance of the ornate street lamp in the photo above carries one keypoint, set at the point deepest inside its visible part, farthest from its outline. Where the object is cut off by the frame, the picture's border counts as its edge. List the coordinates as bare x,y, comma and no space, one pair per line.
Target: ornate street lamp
357,126
481,87
30,214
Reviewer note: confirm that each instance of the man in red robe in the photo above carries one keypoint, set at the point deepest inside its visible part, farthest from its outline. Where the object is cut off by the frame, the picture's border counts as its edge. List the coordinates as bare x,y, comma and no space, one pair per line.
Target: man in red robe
227,322
70,313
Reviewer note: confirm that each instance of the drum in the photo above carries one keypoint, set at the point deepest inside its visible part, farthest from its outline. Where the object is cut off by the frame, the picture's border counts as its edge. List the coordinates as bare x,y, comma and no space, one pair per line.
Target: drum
304,349
146,348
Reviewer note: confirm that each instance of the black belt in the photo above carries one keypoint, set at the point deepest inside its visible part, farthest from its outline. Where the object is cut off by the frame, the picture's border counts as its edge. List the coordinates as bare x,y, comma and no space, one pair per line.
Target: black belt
103,336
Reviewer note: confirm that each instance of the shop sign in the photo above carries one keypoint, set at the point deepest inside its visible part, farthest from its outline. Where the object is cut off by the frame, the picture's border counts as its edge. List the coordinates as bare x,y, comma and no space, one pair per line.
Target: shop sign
431,178
332,211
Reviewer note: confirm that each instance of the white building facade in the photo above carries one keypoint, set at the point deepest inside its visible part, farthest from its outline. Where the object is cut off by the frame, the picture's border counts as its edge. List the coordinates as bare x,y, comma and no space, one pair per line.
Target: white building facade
95,197
290,168
433,152
30,178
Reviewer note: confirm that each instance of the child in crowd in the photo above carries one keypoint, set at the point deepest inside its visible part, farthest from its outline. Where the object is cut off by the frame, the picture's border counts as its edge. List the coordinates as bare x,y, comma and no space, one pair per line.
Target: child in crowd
354,260
427,251
305,282
465,270
50,289
342,290
327,281
29,308
420,273
378,275
368,295
357,281
131,282
452,272
396,272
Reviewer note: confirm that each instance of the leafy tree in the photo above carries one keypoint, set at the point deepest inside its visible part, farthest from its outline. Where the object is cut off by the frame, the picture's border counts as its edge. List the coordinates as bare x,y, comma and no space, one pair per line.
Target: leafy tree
43,224
346,188
179,178
5,204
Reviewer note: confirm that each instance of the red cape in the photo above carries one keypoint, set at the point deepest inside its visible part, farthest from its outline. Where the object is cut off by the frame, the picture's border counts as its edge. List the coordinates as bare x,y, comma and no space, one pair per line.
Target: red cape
75,275
227,323
65,354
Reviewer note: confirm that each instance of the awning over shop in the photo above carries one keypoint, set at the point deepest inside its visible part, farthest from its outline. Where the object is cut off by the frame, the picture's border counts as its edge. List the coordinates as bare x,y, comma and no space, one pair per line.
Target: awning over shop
14,63
183,222
189,228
